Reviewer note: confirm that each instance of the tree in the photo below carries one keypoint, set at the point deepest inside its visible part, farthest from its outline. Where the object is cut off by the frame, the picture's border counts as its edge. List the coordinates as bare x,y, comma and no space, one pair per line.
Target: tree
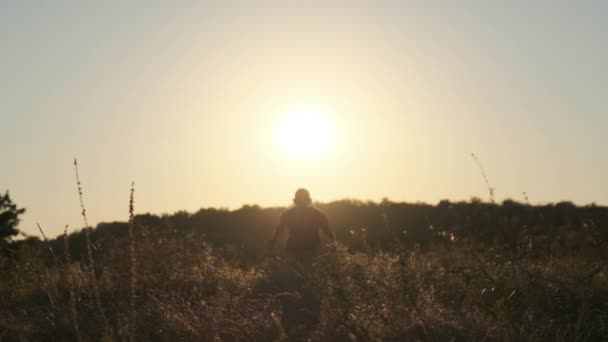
9,219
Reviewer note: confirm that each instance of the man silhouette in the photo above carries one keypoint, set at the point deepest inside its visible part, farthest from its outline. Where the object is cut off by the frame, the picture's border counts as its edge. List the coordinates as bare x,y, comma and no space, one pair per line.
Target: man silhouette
303,222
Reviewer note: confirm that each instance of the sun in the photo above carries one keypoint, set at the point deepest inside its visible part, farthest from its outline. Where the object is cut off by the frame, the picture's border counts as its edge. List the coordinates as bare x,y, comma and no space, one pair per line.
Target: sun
306,133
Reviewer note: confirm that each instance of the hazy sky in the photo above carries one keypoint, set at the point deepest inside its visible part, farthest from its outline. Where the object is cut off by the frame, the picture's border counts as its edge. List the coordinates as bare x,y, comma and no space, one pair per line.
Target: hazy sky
186,99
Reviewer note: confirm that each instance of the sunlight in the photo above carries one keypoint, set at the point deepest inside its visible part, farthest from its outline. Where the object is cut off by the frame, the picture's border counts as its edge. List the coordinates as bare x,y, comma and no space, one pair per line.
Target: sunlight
306,133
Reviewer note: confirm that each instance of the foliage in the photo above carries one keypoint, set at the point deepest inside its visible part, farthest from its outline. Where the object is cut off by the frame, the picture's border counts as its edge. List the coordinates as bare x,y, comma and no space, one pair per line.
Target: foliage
9,219
454,271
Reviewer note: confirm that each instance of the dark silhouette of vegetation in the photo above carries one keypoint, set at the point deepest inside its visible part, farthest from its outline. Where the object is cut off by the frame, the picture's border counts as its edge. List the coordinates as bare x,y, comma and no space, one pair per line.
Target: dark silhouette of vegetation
400,271
9,219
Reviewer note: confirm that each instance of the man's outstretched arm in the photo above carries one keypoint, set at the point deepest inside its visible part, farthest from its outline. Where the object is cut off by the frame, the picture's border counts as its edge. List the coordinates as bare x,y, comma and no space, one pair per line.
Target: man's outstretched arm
326,229
278,231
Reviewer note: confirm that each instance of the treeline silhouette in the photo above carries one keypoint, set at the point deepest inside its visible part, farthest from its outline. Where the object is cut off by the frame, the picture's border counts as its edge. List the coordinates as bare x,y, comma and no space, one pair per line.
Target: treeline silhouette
455,271
248,229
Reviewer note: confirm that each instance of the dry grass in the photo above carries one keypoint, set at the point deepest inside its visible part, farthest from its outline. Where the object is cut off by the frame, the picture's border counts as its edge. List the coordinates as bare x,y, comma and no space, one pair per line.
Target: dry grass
69,281
161,283
107,331
458,290
133,258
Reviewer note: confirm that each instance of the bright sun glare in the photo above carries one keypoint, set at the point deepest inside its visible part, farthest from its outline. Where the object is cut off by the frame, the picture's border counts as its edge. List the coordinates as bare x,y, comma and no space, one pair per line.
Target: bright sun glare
306,133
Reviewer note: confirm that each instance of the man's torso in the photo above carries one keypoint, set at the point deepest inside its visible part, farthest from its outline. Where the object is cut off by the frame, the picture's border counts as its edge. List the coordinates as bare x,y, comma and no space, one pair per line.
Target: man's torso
303,226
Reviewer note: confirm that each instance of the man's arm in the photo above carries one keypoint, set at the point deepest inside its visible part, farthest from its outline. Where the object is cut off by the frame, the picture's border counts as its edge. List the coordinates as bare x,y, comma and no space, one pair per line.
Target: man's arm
278,231
324,225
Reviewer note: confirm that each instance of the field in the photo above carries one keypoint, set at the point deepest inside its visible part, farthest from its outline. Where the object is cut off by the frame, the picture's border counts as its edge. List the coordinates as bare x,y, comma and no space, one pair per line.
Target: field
447,272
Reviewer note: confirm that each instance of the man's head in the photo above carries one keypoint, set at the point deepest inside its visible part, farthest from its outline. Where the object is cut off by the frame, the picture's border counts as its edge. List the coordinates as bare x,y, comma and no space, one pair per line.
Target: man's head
302,198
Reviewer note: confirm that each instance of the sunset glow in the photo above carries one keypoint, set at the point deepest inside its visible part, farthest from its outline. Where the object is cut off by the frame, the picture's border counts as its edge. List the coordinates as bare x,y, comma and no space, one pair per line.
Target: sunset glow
306,133
303,170
214,104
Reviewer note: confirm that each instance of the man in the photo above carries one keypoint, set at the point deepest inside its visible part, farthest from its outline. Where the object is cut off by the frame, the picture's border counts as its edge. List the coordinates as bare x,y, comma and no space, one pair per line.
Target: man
303,222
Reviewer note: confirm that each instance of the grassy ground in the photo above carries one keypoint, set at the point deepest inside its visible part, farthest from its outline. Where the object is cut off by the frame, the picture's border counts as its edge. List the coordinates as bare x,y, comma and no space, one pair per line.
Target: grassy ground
448,285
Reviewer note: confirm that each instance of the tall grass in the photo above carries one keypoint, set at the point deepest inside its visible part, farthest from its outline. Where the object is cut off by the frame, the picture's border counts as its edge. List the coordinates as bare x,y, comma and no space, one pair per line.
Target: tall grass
133,268
107,331
69,278
46,241
519,284
491,190
465,289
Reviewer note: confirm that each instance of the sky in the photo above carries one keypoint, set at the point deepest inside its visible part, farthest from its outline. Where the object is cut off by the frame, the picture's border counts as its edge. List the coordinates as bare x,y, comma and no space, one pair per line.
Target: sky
189,100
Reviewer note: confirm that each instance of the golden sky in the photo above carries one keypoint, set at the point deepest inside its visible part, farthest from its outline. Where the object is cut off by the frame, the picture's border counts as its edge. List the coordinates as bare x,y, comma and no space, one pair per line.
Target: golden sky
230,103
